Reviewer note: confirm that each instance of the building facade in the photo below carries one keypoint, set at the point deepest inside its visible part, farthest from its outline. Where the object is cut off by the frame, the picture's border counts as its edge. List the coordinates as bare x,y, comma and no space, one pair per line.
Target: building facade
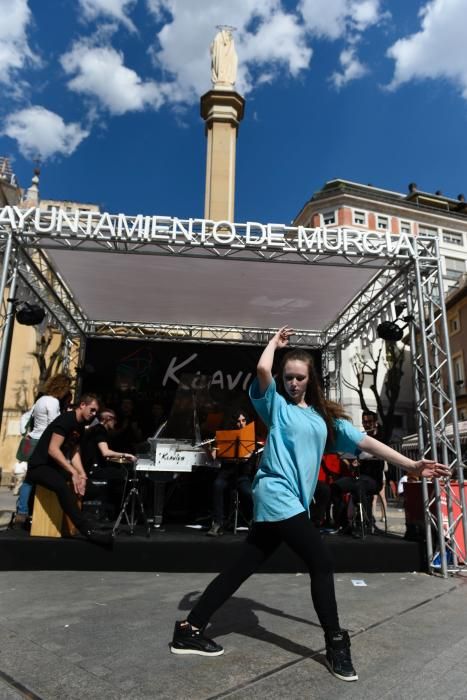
23,372
345,203
456,308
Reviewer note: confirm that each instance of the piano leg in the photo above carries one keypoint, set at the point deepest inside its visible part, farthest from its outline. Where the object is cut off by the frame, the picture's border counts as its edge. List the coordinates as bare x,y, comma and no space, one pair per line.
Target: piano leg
159,499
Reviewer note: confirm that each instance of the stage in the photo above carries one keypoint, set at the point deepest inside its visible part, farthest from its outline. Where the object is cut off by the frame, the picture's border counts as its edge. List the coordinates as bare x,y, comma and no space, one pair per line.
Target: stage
176,548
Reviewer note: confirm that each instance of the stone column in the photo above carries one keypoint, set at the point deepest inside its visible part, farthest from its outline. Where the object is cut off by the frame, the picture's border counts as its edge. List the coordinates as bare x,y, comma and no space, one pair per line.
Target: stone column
222,110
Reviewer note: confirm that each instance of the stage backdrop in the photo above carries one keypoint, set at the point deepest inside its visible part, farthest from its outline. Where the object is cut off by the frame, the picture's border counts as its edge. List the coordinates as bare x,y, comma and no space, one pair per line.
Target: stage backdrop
168,379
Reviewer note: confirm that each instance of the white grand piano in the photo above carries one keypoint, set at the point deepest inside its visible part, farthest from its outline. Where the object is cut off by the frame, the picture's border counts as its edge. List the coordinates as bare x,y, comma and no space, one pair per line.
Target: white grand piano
175,449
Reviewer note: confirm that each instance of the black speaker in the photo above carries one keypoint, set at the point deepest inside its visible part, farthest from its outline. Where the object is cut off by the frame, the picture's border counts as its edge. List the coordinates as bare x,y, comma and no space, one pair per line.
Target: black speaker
30,314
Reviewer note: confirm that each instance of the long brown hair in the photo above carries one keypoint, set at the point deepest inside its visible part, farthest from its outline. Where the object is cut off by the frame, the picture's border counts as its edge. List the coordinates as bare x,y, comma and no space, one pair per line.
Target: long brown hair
57,386
314,396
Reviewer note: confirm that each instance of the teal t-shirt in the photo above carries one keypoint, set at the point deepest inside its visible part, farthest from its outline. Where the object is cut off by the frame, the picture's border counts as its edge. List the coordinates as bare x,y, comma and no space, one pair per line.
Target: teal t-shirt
286,478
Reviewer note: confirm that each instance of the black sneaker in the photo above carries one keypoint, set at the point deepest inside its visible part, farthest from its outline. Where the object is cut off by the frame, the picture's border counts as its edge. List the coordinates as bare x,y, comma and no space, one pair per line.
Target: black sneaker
338,658
105,539
187,640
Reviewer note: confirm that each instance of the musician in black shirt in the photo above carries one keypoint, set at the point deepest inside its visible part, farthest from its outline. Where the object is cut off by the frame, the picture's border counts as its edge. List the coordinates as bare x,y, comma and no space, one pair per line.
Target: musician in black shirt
366,475
56,461
236,473
95,450
105,479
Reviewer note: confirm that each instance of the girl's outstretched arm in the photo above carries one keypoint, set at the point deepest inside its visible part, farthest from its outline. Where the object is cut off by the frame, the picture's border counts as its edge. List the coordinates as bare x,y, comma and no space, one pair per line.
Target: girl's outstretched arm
422,467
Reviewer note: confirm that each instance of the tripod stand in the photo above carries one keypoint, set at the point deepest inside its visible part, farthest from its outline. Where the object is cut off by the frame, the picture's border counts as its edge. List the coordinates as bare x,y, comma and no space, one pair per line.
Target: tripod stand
131,505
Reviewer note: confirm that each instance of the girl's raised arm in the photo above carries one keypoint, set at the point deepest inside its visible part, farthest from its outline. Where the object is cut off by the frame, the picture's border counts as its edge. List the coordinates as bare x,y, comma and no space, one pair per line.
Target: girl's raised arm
264,367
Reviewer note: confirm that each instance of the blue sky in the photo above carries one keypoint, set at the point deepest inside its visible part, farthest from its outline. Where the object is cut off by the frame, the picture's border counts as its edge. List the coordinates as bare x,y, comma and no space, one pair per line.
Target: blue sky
106,93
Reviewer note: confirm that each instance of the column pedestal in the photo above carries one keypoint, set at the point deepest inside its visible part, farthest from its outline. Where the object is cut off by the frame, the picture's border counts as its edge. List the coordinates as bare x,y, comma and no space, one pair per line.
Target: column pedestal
222,110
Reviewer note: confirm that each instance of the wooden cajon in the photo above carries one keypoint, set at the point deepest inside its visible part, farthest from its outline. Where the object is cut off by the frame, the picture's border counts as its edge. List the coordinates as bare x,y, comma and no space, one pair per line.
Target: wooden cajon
48,519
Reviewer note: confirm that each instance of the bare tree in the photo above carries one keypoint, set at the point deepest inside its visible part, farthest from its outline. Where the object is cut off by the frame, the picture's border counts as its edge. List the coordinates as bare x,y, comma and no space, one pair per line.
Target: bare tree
368,366
48,364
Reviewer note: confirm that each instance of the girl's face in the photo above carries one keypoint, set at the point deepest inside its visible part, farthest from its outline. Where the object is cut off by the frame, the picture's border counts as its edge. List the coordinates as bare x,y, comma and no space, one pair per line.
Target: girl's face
295,378
241,421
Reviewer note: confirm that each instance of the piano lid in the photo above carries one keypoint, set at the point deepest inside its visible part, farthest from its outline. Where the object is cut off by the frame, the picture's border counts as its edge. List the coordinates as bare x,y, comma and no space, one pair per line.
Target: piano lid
190,409
200,408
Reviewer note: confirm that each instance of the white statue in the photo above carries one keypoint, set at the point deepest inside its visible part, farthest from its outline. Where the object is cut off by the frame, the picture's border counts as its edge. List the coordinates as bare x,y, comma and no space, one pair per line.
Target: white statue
223,60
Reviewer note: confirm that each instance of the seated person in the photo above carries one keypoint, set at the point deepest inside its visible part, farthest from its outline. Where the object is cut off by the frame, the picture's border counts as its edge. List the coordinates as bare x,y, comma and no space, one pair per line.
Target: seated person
320,509
362,480
56,461
373,429
95,455
236,473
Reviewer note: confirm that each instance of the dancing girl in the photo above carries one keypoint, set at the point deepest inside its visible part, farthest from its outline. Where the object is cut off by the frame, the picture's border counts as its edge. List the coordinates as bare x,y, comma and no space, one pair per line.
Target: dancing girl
301,423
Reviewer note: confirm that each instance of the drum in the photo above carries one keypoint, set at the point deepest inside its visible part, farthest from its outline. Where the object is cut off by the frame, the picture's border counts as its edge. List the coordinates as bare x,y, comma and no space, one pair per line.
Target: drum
119,460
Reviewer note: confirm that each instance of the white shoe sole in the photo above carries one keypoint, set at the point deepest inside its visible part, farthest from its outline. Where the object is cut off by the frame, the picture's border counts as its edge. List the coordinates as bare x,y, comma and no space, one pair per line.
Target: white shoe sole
337,675
198,652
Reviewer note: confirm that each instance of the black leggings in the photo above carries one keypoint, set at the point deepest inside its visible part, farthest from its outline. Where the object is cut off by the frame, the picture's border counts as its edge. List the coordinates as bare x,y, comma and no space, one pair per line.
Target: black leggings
304,539
56,481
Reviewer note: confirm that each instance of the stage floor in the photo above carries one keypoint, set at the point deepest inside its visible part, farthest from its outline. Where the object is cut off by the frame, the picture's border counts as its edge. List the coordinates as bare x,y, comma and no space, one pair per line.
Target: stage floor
175,548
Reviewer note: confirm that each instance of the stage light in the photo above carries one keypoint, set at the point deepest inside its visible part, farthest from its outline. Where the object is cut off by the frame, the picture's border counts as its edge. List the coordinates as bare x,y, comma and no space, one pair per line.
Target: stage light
388,330
29,314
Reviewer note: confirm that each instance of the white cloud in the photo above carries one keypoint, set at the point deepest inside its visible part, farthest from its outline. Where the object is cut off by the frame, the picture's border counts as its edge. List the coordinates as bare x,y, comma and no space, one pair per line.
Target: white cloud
112,9
267,40
281,40
438,50
352,68
343,19
333,19
100,74
271,41
158,8
42,133
14,49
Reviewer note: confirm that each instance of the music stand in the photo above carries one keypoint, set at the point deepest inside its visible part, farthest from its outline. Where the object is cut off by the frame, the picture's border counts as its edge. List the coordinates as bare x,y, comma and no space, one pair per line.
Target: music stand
236,446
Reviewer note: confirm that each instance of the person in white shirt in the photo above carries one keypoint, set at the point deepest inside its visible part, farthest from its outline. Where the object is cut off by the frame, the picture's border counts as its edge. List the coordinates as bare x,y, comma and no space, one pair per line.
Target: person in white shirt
44,411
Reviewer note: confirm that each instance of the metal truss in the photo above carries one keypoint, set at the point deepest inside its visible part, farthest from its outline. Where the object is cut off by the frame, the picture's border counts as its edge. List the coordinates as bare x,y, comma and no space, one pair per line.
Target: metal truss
330,363
444,503
414,278
73,355
198,238
366,310
195,333
37,273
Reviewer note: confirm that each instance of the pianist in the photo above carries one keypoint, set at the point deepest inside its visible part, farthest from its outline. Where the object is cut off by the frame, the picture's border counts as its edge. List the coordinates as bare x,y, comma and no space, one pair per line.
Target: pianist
96,454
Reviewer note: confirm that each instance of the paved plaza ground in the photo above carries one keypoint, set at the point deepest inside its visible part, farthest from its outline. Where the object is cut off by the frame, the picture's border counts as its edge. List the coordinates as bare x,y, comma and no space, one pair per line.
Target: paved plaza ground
104,636
93,636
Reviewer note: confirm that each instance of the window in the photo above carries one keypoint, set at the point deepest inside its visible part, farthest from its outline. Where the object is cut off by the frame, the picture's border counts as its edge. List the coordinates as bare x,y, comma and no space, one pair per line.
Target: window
359,218
427,230
454,268
382,223
406,227
454,324
453,237
458,369
329,218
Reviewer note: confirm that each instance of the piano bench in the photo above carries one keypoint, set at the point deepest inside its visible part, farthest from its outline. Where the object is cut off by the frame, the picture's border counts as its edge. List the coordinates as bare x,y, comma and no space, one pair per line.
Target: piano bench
48,519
